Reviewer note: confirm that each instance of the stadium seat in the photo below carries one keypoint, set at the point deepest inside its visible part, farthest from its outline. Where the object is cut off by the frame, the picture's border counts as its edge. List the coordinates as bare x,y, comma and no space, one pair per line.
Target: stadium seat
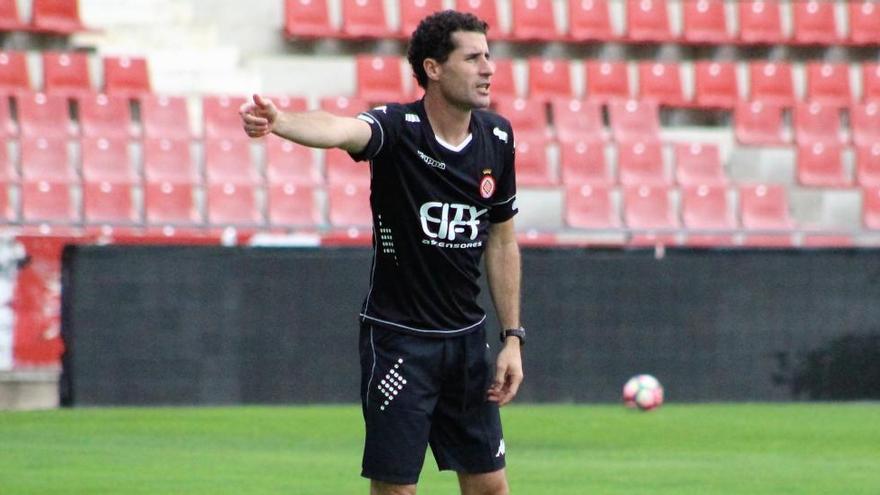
165,117
232,204
66,74
590,206
229,161
532,166
8,127
7,207
821,165
705,21
815,22
109,202
577,120
9,18
868,164
47,201
168,160
126,76
715,84
349,205
648,207
760,22
704,208
379,79
343,105
633,120
828,84
606,80
44,115
757,123
699,164
220,116
14,77
549,78
106,116
583,162
8,172
641,162
307,19
339,168
871,81
287,103
871,207
167,203
589,20
290,163
864,22
364,19
661,82
822,240
771,82
814,122
107,160
485,10
526,116
864,121
764,207
56,16
46,159
292,205
413,11
503,81
647,21
532,20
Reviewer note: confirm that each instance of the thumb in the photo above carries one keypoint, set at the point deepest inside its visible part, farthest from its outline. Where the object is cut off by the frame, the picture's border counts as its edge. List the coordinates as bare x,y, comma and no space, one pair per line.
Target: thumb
260,102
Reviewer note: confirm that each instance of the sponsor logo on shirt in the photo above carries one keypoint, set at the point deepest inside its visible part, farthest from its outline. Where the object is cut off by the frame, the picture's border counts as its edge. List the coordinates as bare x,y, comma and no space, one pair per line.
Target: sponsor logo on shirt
443,222
431,161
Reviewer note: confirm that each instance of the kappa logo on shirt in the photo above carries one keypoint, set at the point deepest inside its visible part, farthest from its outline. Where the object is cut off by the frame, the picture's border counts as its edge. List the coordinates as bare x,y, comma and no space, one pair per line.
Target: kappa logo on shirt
431,161
500,134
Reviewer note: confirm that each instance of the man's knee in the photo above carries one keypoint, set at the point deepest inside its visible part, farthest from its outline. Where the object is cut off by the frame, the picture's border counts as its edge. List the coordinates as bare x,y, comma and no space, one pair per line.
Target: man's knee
484,484
380,488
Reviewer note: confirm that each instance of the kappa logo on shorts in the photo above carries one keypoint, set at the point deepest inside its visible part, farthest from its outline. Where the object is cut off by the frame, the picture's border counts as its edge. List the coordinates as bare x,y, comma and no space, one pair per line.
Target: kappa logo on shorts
500,449
392,384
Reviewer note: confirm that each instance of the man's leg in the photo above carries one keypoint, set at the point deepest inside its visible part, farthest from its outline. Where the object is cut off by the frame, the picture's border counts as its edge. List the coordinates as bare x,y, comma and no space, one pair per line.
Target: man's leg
494,483
380,488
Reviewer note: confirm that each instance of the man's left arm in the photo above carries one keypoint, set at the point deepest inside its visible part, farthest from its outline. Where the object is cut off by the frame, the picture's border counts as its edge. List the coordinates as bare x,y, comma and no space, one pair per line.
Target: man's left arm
503,274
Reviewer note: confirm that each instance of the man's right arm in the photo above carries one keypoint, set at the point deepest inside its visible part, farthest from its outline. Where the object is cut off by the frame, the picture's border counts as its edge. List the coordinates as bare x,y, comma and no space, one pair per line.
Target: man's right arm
316,129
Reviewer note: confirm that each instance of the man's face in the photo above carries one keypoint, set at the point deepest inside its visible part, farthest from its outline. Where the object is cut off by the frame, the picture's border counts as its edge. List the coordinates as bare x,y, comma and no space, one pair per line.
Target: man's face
464,79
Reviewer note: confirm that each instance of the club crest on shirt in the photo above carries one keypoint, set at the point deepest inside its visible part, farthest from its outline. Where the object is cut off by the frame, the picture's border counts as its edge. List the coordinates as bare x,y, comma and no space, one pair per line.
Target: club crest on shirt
487,184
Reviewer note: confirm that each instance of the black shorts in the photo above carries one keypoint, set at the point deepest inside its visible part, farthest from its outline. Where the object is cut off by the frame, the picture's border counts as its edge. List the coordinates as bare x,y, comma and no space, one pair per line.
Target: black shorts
417,391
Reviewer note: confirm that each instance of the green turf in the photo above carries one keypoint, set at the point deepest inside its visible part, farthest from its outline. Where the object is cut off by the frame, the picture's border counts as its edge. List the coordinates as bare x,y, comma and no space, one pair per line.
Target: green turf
748,449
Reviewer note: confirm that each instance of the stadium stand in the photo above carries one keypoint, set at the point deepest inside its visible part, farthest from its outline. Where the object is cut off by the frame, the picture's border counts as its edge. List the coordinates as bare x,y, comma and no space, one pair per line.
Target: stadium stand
307,19
14,76
364,19
715,84
705,22
66,74
590,206
760,22
699,164
292,205
648,21
589,20
106,159
126,76
577,120
102,115
532,20
549,78
584,162
164,116
56,16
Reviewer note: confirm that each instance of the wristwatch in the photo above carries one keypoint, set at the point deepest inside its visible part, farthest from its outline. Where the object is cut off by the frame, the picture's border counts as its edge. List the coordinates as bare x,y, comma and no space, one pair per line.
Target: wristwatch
519,333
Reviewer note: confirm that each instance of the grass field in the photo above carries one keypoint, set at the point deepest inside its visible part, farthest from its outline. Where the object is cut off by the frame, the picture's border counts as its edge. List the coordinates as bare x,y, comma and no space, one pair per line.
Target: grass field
748,449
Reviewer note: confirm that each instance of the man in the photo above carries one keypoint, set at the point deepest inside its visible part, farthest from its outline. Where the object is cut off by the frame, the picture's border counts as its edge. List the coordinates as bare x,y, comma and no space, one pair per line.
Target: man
442,189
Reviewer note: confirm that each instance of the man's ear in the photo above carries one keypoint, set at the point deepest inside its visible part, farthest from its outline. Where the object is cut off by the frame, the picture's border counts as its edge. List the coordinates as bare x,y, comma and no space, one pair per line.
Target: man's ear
432,68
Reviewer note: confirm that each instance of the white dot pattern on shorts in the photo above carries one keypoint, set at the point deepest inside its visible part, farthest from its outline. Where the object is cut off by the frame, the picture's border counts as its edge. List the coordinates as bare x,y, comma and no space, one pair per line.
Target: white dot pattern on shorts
391,384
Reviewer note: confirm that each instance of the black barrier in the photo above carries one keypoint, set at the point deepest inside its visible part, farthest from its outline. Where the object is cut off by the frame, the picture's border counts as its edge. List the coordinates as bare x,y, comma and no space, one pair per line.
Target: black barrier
211,325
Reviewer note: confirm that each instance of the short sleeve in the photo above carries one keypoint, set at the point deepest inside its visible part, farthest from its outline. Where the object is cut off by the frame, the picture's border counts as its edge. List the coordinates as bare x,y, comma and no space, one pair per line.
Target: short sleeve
504,208
382,128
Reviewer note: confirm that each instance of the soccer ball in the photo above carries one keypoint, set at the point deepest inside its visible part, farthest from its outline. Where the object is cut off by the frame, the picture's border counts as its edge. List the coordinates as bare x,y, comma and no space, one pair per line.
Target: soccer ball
644,392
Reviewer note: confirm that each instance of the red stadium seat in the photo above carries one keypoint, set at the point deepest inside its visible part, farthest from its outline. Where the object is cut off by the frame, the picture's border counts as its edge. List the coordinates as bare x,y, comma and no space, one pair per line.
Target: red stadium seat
641,162
821,165
343,105
66,74
868,164
290,163
532,20
526,116
379,79
290,103
549,78
44,115
109,202
661,82
364,19
815,22
7,126
56,16
413,11
814,122
101,115
760,22
220,116
229,161
589,20
757,123
699,164
503,82
339,168
532,167
648,207
8,172
485,10
233,204
292,205
764,207
771,82
126,76
308,19
871,207
168,160
577,120
14,76
9,18
648,20
633,120
7,207
705,207
828,84
820,240
715,84
165,117
590,206
349,205
871,81
47,201
607,80
864,22
583,162
705,21
106,160
167,203
46,159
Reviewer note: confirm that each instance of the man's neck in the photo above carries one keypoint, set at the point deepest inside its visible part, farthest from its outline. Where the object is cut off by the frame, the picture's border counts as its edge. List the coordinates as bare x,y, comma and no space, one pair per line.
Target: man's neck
449,123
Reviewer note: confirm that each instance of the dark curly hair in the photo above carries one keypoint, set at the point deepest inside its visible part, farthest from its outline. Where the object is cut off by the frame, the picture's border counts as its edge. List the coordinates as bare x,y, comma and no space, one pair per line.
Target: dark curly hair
433,39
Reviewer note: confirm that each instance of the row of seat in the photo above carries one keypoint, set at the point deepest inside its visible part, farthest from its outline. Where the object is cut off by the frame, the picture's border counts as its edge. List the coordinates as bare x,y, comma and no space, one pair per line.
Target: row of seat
703,21
66,73
59,17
